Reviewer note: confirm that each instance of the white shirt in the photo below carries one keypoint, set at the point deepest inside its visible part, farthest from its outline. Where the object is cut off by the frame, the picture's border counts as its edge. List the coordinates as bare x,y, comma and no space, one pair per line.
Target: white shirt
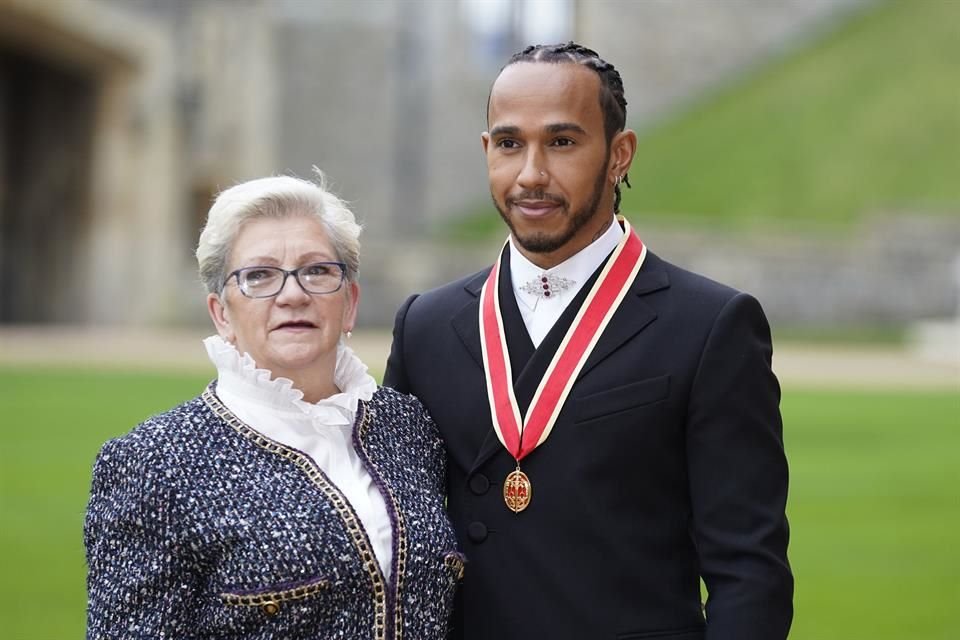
323,430
539,312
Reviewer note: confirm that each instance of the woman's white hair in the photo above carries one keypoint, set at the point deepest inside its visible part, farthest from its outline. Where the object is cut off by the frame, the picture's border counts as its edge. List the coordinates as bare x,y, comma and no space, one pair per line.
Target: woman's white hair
274,197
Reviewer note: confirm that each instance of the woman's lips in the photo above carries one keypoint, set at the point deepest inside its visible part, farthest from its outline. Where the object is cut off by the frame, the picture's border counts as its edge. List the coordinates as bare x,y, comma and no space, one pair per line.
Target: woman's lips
295,326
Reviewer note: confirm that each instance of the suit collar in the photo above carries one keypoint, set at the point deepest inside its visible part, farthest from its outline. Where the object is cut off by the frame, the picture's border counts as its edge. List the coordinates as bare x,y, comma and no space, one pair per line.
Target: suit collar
475,284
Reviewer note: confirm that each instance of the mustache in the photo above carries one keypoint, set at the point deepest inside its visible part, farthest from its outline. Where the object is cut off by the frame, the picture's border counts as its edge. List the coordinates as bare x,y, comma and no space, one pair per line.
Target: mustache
538,194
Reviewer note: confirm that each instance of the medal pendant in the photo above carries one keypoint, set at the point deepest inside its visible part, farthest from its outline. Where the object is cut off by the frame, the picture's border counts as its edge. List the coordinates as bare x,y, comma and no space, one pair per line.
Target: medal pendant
517,491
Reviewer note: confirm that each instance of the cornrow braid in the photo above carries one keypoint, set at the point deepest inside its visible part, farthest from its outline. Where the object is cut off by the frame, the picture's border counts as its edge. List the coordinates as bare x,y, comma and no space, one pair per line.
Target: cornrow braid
613,104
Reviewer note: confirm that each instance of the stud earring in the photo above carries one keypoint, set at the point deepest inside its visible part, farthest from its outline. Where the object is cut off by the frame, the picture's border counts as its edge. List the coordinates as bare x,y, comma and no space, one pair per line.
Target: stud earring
349,334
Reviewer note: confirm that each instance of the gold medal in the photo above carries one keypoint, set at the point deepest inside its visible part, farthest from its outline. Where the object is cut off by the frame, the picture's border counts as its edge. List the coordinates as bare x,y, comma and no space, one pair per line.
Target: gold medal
517,490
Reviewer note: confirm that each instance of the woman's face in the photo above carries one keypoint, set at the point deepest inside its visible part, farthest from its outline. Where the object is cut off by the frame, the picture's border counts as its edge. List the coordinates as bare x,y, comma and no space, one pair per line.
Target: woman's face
293,334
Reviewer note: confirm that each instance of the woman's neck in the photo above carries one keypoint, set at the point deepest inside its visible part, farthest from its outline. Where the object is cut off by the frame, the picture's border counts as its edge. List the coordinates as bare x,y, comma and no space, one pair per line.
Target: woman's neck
316,393
315,383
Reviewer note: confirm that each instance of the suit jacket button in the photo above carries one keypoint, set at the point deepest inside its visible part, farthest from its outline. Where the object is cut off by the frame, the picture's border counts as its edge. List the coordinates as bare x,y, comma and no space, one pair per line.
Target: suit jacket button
477,532
479,484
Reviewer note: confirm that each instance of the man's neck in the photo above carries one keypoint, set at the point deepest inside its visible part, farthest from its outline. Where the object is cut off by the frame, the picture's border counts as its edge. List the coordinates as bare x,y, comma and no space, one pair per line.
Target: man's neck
549,260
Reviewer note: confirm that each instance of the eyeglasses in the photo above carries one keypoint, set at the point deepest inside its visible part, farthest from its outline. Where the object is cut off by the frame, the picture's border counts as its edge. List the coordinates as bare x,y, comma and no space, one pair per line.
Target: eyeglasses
266,282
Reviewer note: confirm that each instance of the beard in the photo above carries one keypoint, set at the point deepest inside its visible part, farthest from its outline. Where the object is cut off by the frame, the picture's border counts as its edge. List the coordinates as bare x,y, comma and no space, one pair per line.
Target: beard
540,242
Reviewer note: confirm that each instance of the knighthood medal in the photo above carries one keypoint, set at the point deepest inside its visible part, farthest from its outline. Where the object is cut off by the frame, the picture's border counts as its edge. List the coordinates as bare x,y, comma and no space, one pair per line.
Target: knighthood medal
520,436
517,491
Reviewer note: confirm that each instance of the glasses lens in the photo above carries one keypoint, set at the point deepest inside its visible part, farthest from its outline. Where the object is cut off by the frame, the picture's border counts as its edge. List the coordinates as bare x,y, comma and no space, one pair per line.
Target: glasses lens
259,282
323,277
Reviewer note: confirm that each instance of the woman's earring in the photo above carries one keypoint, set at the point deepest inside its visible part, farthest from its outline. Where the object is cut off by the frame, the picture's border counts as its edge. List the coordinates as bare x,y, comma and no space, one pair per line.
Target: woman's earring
349,334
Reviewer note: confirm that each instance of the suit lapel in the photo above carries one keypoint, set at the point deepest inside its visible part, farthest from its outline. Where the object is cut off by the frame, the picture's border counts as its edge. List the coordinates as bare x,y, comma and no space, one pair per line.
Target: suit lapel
521,354
466,322
633,314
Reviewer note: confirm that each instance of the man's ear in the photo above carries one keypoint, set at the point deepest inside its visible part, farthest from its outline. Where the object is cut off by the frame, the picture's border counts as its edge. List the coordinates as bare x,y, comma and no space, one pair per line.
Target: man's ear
622,149
221,318
485,141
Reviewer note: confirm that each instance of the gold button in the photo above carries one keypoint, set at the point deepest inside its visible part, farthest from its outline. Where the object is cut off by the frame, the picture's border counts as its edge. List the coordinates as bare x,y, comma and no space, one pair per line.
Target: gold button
270,608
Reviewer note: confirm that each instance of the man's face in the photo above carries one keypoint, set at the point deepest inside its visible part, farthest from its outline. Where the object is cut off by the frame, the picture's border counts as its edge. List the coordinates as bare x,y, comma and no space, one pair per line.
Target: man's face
547,158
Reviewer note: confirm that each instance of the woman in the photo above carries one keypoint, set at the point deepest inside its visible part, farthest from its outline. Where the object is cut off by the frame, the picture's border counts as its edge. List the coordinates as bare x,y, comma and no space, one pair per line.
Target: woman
293,498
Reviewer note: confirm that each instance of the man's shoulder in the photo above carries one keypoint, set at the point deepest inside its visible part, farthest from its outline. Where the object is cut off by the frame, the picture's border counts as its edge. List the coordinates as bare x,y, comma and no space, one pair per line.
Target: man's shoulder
456,292
694,295
685,282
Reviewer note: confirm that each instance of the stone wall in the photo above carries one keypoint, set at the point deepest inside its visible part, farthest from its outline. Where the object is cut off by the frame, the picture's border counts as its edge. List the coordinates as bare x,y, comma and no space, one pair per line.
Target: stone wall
891,270
124,265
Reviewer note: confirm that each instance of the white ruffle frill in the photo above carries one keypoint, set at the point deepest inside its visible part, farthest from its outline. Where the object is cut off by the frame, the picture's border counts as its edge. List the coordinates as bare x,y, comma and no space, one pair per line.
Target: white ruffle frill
238,371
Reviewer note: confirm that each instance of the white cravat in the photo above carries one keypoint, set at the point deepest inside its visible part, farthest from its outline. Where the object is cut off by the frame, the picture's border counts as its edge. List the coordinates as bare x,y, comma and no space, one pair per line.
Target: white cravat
540,312
323,430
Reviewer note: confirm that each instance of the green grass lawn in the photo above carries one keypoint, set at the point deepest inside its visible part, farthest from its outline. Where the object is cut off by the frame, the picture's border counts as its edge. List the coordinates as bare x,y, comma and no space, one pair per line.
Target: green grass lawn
874,501
875,513
864,119
53,424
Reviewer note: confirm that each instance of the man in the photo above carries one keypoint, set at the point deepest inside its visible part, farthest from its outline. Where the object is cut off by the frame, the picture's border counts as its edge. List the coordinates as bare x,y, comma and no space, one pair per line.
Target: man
611,420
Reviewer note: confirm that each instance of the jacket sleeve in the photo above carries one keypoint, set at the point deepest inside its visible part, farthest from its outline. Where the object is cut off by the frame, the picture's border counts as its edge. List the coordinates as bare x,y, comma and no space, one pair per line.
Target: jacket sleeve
395,375
738,479
137,583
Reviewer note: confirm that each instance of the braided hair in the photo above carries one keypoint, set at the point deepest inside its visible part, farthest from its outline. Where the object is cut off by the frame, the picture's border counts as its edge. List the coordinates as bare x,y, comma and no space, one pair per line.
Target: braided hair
613,104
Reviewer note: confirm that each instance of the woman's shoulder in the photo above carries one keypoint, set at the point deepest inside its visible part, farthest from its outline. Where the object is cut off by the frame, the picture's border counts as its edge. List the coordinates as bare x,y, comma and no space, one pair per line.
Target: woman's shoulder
401,413
159,433
397,403
398,434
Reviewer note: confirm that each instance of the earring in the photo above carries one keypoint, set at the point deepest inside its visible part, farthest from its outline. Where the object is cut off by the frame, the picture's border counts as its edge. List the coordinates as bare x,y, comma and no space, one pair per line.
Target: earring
349,334
617,180
542,174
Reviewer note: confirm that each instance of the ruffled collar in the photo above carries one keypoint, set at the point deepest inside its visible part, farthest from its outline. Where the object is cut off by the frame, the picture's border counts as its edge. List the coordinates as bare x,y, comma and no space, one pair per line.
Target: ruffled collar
239,376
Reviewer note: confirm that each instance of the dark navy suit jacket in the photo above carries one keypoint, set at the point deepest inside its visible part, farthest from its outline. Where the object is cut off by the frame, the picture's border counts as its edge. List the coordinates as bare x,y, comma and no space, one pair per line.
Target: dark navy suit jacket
666,464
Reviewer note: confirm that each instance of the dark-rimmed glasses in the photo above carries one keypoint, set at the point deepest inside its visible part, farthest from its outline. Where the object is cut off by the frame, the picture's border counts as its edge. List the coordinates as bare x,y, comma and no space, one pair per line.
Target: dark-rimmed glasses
266,282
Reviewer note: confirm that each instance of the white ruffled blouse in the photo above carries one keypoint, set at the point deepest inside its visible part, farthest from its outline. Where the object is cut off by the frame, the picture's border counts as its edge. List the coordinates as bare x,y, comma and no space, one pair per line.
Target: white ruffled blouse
323,430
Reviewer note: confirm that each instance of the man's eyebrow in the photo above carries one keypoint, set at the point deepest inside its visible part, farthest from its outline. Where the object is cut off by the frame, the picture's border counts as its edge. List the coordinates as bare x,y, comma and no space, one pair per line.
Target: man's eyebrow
504,130
559,127
562,127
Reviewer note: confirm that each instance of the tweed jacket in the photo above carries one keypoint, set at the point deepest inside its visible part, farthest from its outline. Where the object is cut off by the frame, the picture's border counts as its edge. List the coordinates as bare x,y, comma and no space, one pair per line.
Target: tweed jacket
200,527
